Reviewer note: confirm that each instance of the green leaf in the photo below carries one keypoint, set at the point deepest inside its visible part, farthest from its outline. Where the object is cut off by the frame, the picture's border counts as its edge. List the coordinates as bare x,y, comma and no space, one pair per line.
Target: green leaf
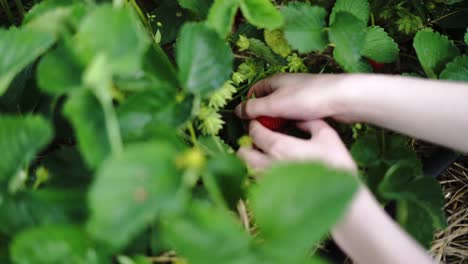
214,146
457,70
262,13
20,47
43,7
59,71
204,59
304,27
261,50
199,7
348,35
115,33
59,20
397,148
67,161
373,175
160,68
358,8
221,16
98,78
379,46
4,254
218,236
20,139
360,65
434,51
52,245
22,95
152,109
41,207
130,190
414,220
87,117
396,179
365,150
230,174
403,182
286,212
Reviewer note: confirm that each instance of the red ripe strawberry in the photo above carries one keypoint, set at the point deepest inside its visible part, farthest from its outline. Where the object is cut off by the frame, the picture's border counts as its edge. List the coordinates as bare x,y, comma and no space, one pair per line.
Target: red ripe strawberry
272,123
377,66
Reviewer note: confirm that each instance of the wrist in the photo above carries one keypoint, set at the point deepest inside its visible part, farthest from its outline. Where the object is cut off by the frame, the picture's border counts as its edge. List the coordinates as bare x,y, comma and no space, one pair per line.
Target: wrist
351,95
361,206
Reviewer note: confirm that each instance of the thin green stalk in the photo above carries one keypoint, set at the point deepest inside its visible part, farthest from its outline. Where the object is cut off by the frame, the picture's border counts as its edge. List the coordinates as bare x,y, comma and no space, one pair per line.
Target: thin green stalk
193,137
323,69
6,7
142,16
442,17
241,92
227,111
20,7
113,129
218,145
213,190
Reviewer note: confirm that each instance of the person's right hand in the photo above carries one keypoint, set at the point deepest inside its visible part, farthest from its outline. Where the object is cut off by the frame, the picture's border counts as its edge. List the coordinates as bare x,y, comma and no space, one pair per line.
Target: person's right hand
298,97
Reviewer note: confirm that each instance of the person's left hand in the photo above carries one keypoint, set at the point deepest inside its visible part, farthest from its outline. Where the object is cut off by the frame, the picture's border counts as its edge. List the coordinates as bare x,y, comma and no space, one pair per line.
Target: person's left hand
324,146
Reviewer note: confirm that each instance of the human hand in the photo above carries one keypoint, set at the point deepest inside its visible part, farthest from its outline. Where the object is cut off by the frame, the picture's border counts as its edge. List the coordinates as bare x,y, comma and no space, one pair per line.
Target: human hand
298,97
324,146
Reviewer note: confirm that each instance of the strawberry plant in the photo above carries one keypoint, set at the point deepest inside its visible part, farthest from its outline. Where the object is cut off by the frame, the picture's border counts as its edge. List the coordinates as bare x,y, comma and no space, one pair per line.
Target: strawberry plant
118,133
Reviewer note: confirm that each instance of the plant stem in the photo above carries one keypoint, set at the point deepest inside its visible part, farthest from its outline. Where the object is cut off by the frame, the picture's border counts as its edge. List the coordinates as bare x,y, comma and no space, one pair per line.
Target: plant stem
142,16
6,7
444,16
113,129
213,189
220,148
193,137
241,92
20,7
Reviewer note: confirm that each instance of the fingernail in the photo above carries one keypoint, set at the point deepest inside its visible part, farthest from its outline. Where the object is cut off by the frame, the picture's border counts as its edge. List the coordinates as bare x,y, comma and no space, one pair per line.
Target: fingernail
238,110
241,110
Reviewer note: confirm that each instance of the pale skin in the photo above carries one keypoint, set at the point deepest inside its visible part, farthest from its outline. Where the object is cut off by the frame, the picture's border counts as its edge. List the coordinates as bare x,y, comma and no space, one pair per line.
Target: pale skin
435,111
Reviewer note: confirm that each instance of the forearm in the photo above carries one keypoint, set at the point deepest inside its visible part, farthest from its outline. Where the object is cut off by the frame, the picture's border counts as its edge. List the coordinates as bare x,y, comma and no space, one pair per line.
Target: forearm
368,235
436,111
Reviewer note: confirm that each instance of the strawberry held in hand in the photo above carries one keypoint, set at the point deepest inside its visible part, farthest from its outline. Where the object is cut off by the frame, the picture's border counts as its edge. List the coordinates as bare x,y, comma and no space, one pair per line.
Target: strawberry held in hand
377,66
272,123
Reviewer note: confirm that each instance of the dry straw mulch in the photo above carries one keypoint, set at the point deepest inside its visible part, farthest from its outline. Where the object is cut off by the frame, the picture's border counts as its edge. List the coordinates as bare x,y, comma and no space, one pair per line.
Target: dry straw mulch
451,244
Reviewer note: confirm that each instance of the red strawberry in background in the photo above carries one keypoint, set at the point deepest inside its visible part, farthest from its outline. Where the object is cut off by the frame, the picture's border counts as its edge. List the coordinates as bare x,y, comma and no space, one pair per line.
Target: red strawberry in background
377,66
272,123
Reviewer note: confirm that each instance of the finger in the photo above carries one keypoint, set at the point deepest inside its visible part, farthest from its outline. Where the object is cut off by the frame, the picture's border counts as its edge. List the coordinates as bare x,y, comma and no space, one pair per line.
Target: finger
272,143
321,131
254,158
260,89
256,107
268,85
318,129
313,126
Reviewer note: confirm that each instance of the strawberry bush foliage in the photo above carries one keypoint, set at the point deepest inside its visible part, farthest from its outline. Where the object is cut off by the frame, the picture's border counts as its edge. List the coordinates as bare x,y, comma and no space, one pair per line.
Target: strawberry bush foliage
118,134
